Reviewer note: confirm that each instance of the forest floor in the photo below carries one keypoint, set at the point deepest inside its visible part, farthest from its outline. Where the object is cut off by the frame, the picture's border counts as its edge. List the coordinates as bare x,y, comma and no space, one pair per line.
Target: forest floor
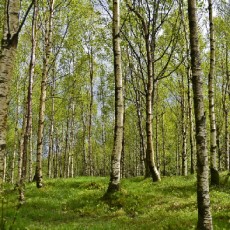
77,204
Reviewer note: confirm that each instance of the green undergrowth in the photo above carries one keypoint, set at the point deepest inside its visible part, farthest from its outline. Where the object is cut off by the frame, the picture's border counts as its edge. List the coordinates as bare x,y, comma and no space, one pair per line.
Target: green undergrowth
77,203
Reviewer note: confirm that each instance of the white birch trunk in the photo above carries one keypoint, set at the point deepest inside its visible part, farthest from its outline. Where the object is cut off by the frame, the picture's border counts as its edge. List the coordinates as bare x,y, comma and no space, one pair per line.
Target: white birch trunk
7,57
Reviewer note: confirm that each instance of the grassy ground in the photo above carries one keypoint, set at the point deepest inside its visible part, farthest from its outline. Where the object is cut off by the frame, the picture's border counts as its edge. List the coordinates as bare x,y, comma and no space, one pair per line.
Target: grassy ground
77,204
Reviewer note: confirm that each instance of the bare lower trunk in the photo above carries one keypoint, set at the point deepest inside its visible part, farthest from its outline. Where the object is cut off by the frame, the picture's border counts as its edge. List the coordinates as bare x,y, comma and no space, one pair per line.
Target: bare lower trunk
212,114
114,184
203,199
149,113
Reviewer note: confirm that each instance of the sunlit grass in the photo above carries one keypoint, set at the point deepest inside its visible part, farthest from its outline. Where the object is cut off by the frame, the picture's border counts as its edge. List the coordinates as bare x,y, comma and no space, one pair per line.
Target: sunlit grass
77,204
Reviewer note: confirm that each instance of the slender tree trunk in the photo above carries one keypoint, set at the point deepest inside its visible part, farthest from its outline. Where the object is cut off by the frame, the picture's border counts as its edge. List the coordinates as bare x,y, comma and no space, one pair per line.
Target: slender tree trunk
226,102
149,112
103,131
123,148
184,131
141,134
157,141
114,184
84,156
66,156
191,125
189,97
218,147
227,165
41,119
163,144
29,96
138,105
123,157
20,159
51,135
7,56
90,151
31,155
203,199
55,159
12,167
212,115
71,146
178,151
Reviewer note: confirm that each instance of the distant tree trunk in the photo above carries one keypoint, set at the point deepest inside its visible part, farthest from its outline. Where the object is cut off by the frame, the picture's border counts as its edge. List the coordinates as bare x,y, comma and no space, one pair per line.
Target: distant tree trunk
90,151
163,144
56,152
84,156
189,97
141,133
103,131
123,148
178,165
212,115
66,149
184,131
218,147
51,134
138,105
226,141
41,119
123,157
7,56
71,146
191,125
28,106
31,155
157,140
203,199
114,184
12,167
20,158
226,107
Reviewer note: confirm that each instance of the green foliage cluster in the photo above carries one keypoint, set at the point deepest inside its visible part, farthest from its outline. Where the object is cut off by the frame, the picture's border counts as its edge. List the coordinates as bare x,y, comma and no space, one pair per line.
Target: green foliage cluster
78,204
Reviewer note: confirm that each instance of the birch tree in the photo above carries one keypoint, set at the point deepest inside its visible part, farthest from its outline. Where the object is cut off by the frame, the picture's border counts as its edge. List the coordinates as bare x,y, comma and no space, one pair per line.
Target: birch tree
212,115
203,199
114,184
7,56
46,62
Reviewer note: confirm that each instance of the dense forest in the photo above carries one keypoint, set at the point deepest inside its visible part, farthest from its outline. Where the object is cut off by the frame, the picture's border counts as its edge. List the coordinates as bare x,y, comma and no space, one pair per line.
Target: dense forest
115,89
